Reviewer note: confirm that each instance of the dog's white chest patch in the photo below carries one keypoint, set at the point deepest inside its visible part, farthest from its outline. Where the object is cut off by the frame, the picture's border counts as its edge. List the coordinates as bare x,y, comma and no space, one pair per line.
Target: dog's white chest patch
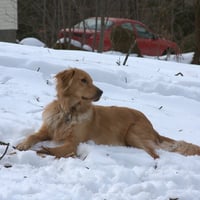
79,118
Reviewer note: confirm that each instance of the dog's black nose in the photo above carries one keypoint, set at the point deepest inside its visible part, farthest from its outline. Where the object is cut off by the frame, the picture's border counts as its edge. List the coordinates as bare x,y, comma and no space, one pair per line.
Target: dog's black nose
98,94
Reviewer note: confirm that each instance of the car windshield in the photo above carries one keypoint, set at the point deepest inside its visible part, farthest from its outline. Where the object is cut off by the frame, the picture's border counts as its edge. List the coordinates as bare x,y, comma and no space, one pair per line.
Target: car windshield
93,23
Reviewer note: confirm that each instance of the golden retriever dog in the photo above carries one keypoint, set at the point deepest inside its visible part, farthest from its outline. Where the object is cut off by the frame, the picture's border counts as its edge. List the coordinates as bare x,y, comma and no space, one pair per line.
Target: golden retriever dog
72,119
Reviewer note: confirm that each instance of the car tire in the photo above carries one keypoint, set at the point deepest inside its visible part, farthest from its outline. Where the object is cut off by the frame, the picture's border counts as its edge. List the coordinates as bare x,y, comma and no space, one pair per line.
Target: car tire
168,51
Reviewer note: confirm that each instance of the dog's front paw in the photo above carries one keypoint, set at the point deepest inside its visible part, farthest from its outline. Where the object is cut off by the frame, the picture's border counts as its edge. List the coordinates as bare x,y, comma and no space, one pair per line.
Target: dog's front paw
23,146
57,152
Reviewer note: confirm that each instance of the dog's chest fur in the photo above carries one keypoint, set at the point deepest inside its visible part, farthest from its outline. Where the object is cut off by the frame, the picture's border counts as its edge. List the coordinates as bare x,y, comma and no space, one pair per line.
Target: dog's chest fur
61,124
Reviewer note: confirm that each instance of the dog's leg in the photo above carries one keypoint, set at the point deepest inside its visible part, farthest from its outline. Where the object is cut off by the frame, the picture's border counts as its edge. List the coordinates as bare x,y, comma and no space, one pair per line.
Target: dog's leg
142,139
68,149
41,135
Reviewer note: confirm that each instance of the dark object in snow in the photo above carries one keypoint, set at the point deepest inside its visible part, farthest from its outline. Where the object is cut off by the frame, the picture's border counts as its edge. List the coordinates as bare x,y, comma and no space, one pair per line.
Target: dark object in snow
7,165
179,74
156,166
7,146
37,99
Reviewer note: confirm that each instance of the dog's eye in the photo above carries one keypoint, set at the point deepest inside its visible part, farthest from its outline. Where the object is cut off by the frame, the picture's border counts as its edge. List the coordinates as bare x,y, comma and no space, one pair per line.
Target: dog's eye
83,80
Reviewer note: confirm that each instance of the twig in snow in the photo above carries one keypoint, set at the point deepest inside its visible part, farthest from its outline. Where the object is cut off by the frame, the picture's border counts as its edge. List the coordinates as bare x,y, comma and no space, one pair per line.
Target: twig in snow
38,69
118,62
178,74
37,99
7,146
129,51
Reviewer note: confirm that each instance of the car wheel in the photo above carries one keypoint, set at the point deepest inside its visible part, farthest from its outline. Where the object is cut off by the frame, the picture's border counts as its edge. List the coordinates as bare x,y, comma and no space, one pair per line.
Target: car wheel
168,51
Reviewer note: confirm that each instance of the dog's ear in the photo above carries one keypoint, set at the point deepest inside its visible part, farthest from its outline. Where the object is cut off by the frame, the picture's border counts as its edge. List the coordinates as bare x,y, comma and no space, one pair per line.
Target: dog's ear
65,75
65,78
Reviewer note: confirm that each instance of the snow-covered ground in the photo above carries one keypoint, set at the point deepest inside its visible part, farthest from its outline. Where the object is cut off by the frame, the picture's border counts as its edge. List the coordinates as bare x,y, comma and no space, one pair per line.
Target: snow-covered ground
167,92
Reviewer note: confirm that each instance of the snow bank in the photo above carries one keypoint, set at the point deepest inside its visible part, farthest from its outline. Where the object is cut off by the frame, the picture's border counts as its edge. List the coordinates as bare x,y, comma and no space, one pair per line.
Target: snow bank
30,41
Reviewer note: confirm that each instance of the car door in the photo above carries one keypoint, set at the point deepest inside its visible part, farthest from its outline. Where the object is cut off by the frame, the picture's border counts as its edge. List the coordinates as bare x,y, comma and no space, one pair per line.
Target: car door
148,43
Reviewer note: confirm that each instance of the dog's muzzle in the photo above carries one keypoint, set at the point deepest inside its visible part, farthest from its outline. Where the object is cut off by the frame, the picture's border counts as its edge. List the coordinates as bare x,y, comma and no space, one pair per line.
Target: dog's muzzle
98,95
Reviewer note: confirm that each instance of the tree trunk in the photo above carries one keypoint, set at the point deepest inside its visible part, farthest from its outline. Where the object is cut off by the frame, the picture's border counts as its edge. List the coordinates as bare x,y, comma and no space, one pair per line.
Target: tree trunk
196,57
102,12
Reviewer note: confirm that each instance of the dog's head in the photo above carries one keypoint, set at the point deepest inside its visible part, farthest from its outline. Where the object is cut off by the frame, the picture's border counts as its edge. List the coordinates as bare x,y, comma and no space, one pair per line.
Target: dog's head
77,85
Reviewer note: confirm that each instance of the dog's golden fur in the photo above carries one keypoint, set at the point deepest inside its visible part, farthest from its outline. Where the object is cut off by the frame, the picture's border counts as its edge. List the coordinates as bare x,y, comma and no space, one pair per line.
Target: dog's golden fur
72,119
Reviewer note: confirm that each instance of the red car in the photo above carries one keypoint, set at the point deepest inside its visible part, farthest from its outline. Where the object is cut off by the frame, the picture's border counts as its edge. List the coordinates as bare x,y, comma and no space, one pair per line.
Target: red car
148,42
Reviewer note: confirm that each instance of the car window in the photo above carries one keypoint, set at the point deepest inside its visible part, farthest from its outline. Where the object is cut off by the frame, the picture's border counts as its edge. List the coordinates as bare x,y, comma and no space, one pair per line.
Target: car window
127,25
143,32
91,24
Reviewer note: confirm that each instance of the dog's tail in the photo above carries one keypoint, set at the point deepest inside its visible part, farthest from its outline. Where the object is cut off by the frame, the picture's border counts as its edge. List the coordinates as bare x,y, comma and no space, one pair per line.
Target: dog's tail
181,147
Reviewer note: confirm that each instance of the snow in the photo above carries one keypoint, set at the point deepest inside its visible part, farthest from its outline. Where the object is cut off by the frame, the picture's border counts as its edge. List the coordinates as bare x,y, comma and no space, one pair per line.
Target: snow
30,41
75,43
170,100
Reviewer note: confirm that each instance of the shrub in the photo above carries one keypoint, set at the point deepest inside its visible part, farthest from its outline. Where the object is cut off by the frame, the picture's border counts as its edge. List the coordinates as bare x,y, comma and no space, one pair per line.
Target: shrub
121,40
